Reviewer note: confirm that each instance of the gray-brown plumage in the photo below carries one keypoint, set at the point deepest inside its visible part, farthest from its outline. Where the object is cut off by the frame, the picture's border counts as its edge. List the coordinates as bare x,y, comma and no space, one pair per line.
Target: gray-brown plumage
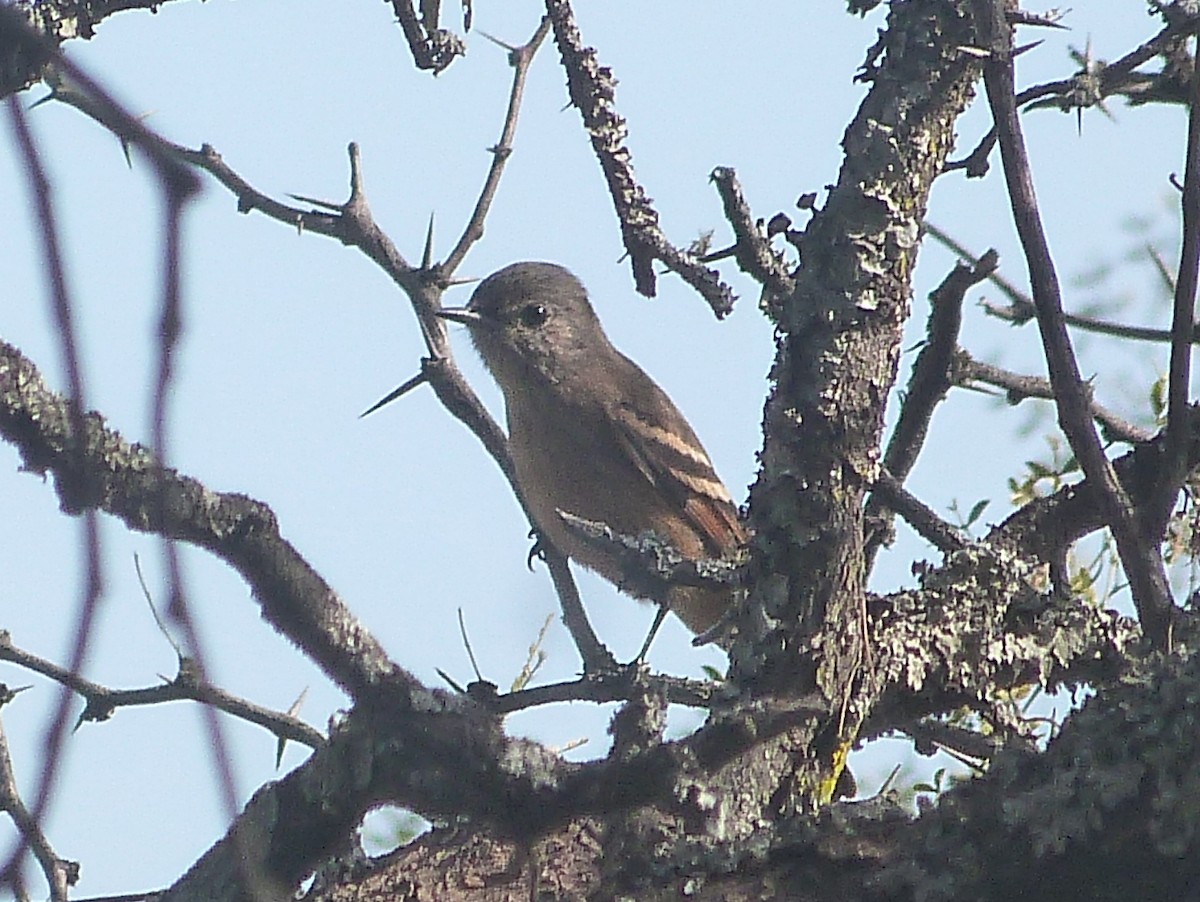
591,434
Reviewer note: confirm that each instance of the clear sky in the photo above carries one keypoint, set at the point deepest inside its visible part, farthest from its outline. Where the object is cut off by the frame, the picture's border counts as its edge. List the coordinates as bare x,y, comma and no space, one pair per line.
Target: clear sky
288,337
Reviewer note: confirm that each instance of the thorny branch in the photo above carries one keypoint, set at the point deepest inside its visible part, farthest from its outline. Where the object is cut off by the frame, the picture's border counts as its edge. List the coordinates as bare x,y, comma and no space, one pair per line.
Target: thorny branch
966,371
102,701
353,224
60,874
1092,86
1139,553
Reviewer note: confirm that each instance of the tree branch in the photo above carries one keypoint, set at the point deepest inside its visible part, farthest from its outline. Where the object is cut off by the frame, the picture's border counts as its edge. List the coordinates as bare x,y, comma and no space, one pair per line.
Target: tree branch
1139,553
1178,439
102,701
927,386
592,89
967,371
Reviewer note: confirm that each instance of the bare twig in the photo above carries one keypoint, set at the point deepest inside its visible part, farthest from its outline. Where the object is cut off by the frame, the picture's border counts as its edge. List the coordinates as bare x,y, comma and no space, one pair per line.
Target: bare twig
917,514
596,657
592,89
1175,451
927,386
103,701
1139,552
1021,308
967,371
60,874
462,631
520,58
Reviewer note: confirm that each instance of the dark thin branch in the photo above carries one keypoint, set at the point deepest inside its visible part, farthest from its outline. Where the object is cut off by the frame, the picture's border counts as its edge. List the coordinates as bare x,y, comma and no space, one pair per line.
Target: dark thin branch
928,525
613,685
102,701
927,386
1021,312
60,874
520,58
1021,309
1139,552
596,657
593,89
1175,450
1088,88
89,602
967,371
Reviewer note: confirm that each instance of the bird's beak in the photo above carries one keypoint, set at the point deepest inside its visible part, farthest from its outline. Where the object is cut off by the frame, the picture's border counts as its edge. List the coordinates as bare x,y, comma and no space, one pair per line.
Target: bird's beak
464,315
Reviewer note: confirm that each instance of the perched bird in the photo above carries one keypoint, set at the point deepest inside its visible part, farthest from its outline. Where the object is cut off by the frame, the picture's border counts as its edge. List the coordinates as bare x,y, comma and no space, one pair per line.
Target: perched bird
594,436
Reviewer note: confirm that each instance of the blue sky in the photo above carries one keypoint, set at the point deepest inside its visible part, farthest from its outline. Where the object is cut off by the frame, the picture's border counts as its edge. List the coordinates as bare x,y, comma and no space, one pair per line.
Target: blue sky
289,336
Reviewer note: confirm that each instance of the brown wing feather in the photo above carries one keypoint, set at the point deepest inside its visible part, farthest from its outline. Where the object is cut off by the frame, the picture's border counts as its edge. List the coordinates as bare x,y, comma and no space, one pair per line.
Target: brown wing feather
665,449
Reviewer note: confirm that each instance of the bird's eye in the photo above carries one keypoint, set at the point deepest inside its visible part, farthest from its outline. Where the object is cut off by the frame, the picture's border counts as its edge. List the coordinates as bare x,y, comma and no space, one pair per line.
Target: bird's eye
533,315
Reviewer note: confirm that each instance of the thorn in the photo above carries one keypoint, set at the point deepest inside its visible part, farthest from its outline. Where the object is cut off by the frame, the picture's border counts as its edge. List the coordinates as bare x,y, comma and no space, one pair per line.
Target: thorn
453,685
427,256
396,393
499,43
323,204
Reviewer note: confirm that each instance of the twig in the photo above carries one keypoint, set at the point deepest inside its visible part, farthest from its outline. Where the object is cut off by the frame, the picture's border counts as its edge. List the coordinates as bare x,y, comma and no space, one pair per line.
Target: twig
967,370
1115,78
1175,450
917,514
593,89
60,874
1019,313
1139,553
520,58
1021,309
596,658
103,701
613,685
462,631
534,659
927,386
80,490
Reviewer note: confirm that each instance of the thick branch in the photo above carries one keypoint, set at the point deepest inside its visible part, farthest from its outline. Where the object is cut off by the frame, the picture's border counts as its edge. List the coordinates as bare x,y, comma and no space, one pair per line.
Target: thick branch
128,482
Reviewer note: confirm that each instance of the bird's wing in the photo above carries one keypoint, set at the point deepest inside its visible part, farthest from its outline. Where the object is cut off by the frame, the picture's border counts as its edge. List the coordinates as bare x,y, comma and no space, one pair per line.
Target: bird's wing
665,450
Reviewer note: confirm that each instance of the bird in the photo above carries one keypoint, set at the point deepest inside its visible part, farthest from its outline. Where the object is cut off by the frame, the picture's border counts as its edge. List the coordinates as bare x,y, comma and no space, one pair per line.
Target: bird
592,435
